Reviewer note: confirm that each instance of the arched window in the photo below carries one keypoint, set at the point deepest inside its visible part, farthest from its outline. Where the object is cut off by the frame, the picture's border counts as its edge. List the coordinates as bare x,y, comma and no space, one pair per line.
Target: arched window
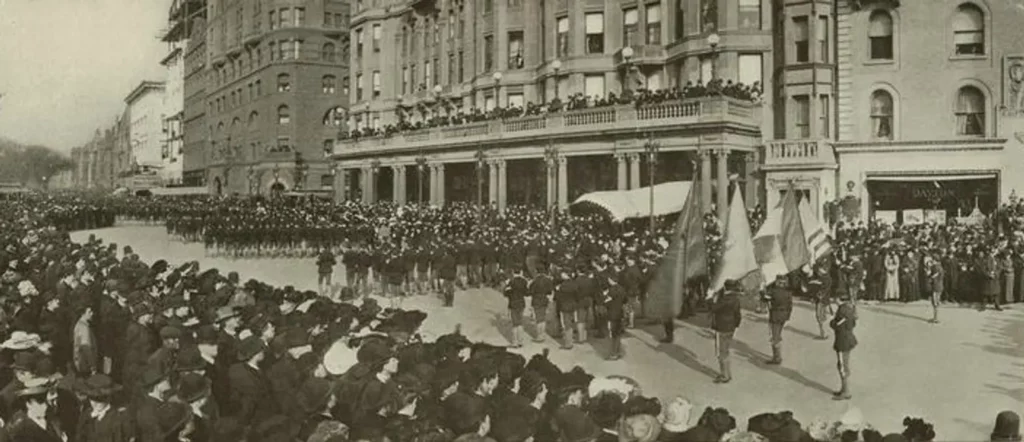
969,30
329,84
335,117
880,35
284,115
329,53
253,116
236,124
284,82
881,115
970,111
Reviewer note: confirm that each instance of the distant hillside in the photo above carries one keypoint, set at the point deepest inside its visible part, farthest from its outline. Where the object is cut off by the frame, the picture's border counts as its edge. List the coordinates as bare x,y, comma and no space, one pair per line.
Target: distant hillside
29,165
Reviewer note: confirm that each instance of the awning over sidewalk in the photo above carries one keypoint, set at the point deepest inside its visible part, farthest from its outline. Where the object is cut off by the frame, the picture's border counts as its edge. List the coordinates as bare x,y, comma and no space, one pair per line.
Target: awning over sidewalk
626,204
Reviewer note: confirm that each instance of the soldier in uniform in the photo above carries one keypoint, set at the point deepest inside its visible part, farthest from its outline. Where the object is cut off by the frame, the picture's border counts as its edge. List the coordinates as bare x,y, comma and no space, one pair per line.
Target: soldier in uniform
325,269
780,308
447,273
819,287
725,319
516,290
540,288
566,301
613,301
843,324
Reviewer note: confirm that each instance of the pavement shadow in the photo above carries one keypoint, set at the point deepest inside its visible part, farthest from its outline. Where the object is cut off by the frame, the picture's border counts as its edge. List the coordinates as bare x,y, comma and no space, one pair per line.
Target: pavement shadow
1007,383
757,359
891,313
501,322
1006,336
676,351
761,320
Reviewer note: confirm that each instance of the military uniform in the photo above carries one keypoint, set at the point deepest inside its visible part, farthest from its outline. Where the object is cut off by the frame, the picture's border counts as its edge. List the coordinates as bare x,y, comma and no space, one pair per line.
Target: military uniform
725,319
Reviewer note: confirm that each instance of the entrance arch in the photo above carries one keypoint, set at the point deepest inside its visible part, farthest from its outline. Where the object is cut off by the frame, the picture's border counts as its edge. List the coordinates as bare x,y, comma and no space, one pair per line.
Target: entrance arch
277,188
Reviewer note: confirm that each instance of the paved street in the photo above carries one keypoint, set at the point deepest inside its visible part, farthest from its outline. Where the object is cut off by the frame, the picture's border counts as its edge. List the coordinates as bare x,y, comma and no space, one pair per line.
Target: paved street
957,374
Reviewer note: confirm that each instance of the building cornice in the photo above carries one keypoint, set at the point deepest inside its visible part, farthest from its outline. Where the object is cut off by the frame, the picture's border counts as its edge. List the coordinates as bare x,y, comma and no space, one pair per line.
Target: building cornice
962,144
142,88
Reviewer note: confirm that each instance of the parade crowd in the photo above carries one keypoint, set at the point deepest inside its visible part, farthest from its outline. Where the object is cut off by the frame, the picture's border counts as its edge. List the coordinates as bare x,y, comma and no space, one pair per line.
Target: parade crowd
100,346
641,97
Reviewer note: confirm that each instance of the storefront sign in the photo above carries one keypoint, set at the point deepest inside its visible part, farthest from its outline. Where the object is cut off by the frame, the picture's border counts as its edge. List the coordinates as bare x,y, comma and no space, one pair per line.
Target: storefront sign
913,217
886,216
935,216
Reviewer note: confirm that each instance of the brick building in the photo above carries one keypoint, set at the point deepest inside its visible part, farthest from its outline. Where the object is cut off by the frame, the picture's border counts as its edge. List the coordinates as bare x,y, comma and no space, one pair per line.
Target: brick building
924,109
274,98
196,133
414,61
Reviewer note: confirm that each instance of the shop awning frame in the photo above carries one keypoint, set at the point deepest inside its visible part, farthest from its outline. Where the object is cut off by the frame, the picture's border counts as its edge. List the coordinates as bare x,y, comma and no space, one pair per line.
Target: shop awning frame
936,177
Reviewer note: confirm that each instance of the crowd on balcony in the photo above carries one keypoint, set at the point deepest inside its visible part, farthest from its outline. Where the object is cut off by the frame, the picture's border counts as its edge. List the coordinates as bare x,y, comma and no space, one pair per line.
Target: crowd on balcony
641,97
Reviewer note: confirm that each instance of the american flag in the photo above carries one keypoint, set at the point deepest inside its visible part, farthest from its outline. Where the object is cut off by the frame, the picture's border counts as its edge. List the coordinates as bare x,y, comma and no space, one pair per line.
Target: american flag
818,240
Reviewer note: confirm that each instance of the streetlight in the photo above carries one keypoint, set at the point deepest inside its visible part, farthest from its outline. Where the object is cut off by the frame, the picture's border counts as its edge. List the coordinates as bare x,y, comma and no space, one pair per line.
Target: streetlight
421,164
713,40
497,89
651,148
556,66
627,56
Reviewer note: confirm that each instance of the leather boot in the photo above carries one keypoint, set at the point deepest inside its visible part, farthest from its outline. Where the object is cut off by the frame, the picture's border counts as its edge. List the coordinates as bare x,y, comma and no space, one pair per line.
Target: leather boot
776,356
725,373
844,391
670,332
541,329
517,336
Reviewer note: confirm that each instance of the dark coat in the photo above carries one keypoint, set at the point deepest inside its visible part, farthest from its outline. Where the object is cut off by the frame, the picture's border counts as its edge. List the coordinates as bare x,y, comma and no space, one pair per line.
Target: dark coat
725,314
781,304
138,345
843,324
285,381
252,394
935,278
24,429
540,288
516,291
114,426
147,419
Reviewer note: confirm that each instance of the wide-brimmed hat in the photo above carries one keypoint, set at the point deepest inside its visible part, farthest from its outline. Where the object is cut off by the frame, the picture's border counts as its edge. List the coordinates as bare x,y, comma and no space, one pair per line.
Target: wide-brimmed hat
21,340
676,415
224,313
34,386
250,347
190,359
192,387
99,385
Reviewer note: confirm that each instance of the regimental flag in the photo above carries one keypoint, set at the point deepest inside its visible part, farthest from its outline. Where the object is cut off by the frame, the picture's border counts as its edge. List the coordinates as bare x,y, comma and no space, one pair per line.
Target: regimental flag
686,258
818,241
792,239
738,260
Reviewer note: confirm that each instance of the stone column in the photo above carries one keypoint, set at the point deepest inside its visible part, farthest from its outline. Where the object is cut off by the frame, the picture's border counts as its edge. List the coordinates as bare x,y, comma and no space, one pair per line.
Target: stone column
433,184
492,182
374,173
563,182
551,180
502,185
723,184
338,186
620,161
440,184
364,185
396,185
752,196
634,170
705,180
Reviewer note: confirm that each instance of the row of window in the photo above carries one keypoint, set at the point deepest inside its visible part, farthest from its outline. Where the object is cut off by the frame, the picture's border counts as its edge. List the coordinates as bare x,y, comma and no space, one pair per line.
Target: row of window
969,113
328,85
968,29
375,33
292,49
375,78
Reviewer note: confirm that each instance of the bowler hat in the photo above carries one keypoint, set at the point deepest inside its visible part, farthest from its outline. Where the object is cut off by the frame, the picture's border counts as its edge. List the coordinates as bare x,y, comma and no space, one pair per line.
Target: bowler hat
33,387
250,347
315,394
170,332
99,385
1007,427
151,376
192,387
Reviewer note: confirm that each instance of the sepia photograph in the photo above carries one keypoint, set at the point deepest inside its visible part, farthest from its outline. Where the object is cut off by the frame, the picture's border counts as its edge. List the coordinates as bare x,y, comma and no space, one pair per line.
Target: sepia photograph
511,220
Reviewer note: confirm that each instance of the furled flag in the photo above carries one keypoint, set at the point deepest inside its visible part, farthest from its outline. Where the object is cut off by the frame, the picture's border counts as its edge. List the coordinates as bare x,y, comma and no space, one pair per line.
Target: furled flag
738,261
766,246
686,258
792,240
818,241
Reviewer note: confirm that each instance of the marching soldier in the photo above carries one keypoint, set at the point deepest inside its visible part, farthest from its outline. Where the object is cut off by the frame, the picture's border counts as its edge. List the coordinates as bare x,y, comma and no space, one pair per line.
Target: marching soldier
780,302
566,301
843,324
516,290
540,290
614,302
819,287
725,319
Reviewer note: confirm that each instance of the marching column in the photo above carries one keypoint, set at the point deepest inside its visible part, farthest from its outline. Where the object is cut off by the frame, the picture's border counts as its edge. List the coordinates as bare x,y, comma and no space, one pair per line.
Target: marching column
723,184
563,182
502,185
492,183
620,161
705,180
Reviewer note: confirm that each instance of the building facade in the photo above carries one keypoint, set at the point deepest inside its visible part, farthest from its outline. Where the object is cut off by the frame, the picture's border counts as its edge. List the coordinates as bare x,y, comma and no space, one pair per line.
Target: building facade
925,109
145,107
417,63
274,102
196,136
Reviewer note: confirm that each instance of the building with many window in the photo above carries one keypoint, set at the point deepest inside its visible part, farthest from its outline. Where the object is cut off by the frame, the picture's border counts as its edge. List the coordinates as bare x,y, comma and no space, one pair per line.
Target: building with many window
274,95
917,106
196,133
449,97
182,17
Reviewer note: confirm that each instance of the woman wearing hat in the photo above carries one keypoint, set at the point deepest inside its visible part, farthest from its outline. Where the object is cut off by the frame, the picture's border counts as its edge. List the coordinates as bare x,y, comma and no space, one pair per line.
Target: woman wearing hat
35,424
102,422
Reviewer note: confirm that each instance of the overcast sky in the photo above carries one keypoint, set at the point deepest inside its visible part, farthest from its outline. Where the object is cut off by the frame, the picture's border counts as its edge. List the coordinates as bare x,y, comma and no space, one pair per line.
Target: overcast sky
67,65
